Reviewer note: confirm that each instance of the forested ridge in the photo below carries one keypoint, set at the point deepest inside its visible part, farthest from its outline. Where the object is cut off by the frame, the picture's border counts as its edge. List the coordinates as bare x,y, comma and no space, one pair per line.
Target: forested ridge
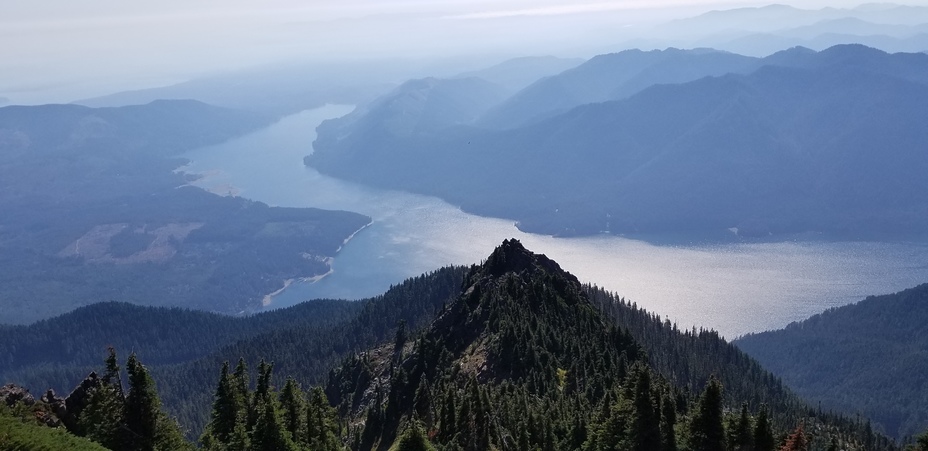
868,358
95,209
514,354
776,146
184,348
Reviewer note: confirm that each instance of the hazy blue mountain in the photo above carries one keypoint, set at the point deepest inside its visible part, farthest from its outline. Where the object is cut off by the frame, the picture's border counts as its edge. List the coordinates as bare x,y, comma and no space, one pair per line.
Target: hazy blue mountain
767,43
869,357
275,91
93,210
517,73
823,142
760,31
610,77
775,18
418,107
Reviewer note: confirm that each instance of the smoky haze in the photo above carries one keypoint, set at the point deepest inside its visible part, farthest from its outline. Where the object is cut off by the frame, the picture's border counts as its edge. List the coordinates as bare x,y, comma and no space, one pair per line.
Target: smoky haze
59,50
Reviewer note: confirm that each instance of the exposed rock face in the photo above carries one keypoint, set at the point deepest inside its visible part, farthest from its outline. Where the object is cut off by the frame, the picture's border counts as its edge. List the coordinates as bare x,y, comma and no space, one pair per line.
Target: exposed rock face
78,399
56,409
12,394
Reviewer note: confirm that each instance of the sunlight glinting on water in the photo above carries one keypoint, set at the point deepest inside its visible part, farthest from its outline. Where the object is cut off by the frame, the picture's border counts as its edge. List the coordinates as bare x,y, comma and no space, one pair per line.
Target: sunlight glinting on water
733,288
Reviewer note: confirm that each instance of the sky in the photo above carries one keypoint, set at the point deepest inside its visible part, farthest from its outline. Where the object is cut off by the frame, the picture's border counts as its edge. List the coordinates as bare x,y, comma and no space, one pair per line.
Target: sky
60,50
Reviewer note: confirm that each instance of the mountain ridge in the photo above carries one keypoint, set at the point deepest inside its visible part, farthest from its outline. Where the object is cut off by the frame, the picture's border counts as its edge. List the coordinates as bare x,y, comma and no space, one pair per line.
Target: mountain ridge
776,151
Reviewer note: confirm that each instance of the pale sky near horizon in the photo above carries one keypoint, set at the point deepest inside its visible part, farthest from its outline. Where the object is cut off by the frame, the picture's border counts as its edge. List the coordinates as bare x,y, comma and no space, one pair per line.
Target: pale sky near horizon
48,45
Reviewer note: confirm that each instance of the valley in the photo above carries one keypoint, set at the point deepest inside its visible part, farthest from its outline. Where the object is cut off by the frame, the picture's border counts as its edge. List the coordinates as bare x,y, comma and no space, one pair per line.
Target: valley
720,281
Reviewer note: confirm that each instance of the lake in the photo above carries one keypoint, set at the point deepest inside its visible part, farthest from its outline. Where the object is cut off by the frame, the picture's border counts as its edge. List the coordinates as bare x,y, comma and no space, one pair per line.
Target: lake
734,288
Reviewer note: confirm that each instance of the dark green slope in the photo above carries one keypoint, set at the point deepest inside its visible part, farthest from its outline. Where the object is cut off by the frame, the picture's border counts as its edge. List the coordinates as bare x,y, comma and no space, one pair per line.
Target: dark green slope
185,348
163,336
513,353
828,142
868,358
527,356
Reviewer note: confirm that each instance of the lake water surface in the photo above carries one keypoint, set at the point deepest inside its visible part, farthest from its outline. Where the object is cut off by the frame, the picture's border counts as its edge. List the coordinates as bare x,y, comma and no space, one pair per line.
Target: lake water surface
733,288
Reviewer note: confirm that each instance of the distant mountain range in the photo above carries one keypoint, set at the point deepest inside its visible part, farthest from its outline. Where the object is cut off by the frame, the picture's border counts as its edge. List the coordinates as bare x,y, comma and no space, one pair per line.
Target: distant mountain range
760,31
283,90
797,142
870,357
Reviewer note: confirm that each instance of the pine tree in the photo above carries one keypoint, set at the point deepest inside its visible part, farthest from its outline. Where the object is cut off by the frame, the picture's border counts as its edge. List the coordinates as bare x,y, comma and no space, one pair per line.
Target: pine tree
225,409
399,340
262,391
922,442
240,383
742,434
422,402
293,404
269,434
796,441
322,422
102,417
706,431
412,439
112,376
763,435
142,408
240,439
643,433
668,423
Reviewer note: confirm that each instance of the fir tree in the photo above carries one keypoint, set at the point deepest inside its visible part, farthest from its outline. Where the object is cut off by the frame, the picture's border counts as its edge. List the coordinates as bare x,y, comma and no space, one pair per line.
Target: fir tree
796,441
763,435
412,439
644,433
102,418
142,408
225,409
706,431
742,434
269,434
668,424
922,442
422,402
322,422
293,406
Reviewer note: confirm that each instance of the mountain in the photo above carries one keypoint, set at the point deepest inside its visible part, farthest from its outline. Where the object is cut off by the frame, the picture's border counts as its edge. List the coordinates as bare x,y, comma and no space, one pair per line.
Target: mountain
610,77
759,31
823,142
525,358
273,90
517,73
512,353
95,209
422,107
866,358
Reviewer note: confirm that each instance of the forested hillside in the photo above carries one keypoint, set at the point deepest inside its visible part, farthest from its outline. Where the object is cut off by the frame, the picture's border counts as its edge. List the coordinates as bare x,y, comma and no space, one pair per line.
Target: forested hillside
524,360
94,210
514,353
822,142
607,77
868,358
184,348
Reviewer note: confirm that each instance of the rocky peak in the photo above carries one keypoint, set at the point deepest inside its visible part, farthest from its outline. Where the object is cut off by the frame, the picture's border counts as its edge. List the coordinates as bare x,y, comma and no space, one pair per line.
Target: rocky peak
12,394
